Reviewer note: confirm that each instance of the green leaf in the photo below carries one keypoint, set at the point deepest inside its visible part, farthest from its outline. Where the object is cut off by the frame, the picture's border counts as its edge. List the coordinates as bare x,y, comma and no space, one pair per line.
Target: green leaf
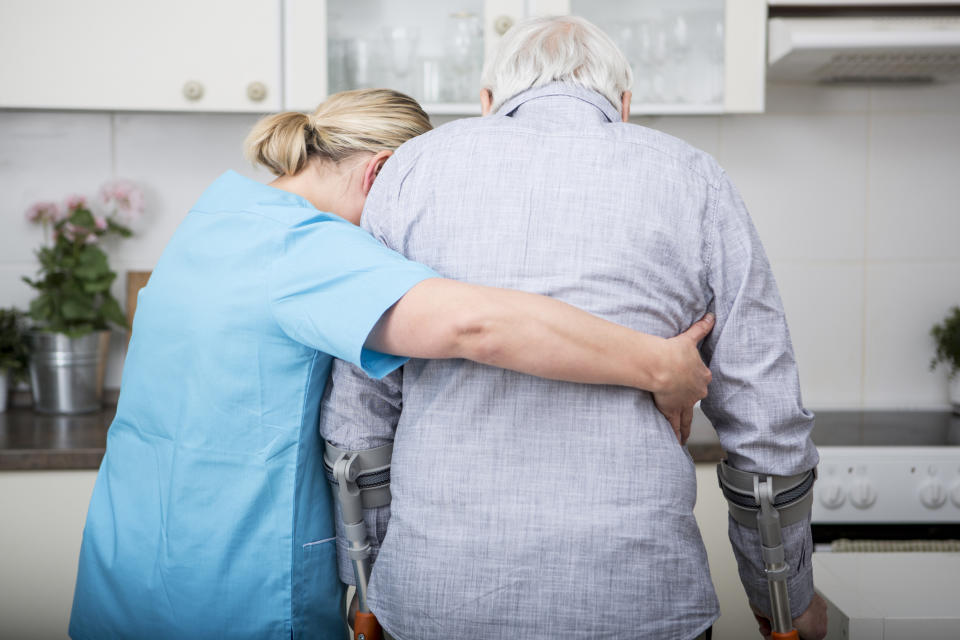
78,307
111,311
98,286
41,308
82,218
119,229
91,264
946,337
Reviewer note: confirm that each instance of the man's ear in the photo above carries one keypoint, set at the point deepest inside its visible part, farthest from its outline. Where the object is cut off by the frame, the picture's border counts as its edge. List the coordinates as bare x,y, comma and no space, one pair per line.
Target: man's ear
372,169
486,101
625,105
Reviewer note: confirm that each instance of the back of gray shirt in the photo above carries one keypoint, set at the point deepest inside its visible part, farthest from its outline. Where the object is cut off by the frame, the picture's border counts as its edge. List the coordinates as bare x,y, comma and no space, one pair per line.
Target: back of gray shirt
540,509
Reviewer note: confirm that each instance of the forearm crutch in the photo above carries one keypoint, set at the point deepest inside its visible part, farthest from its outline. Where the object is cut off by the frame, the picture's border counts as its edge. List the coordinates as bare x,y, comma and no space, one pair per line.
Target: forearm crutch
361,479
768,503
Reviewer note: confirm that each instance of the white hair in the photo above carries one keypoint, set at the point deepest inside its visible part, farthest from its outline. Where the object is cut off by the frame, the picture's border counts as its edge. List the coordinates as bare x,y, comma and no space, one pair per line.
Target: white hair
539,51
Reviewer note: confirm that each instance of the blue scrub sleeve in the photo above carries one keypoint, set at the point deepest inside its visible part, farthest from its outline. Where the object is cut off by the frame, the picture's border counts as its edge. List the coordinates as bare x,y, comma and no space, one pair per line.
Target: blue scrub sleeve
330,285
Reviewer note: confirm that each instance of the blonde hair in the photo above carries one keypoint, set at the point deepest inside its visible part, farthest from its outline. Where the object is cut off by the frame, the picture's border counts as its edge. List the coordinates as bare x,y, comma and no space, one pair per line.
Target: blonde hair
349,122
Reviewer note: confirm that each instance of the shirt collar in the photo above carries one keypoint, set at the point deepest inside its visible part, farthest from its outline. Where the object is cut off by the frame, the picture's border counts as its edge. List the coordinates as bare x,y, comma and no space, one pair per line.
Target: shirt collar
233,192
562,89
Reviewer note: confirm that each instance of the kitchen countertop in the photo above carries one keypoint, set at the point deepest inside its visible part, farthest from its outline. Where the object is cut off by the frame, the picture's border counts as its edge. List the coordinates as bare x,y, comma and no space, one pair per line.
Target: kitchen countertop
34,441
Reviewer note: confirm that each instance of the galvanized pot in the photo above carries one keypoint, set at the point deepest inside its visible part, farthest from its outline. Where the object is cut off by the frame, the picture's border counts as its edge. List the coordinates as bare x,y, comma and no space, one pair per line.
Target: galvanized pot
67,373
4,389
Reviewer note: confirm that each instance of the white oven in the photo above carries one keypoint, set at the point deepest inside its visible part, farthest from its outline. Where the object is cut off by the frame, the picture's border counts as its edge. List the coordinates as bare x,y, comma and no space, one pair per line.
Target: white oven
886,524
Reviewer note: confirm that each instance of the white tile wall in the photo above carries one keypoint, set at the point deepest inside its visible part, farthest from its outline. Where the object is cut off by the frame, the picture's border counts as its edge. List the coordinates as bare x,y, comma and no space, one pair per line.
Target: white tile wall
904,300
914,164
853,191
803,178
824,305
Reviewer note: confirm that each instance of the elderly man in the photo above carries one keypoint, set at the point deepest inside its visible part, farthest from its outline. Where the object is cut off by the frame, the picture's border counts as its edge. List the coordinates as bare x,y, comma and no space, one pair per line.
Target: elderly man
528,508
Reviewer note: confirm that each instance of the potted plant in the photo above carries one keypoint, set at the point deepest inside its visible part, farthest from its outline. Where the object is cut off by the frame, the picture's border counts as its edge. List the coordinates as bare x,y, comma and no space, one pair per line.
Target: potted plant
13,351
946,337
74,309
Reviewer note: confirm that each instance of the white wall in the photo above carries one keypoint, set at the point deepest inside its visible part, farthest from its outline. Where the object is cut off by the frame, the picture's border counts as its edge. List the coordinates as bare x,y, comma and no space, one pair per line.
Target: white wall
852,189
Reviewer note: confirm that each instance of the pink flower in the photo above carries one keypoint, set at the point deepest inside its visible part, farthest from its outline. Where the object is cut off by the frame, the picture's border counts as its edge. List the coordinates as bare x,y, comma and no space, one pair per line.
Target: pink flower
100,223
71,231
122,200
43,212
76,201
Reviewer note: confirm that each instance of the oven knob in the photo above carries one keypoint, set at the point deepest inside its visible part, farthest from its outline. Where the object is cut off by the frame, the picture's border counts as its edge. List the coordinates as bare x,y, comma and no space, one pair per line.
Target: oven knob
955,494
932,495
862,494
831,495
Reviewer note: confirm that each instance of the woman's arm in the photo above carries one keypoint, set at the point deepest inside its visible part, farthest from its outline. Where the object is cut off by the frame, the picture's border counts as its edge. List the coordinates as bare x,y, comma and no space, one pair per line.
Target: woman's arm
540,336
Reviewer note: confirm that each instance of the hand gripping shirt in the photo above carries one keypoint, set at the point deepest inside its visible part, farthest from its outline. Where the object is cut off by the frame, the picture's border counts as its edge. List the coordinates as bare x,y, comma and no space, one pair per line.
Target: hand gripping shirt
211,514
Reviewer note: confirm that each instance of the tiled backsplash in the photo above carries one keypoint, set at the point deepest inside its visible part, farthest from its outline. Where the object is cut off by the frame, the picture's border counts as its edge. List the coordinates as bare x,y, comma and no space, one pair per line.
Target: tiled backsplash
855,192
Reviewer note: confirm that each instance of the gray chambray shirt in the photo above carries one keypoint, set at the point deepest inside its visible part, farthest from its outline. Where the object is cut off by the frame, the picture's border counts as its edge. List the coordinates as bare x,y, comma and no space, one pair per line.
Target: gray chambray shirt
529,508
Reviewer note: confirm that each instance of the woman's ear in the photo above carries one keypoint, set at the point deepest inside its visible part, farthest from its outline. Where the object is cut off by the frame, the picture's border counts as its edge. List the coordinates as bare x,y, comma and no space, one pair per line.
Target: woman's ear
372,169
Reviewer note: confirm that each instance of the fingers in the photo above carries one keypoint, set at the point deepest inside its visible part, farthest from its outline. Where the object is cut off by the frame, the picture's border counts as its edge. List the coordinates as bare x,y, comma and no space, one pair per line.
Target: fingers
701,328
675,422
686,420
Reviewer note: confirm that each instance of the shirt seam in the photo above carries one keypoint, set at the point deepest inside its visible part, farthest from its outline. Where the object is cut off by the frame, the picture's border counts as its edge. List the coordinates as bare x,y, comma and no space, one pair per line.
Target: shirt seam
712,236
296,467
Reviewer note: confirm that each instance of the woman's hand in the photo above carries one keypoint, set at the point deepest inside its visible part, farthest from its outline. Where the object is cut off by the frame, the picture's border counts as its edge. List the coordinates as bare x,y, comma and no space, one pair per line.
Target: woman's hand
685,377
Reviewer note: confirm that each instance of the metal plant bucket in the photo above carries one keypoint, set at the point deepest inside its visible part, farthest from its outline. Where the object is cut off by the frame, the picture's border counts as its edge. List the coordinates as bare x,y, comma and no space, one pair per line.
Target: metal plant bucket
67,373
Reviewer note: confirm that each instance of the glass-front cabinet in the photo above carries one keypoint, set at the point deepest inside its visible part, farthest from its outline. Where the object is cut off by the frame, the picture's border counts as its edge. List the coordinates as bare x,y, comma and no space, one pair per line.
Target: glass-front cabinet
688,56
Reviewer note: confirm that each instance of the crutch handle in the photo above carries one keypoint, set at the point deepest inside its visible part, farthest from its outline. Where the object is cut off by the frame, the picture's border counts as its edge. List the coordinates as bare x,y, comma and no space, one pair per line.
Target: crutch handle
789,635
366,627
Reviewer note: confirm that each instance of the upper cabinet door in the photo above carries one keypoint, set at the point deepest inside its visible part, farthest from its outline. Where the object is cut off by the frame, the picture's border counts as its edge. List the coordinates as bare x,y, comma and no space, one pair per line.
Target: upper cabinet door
208,55
688,56
430,49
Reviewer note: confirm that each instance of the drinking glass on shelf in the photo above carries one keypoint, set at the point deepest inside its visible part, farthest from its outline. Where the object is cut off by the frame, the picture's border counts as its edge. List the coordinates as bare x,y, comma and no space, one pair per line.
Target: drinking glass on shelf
401,45
429,85
464,50
717,45
361,63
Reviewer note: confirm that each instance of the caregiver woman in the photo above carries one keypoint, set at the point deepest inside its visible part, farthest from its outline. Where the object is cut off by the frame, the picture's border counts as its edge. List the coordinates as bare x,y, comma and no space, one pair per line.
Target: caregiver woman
211,515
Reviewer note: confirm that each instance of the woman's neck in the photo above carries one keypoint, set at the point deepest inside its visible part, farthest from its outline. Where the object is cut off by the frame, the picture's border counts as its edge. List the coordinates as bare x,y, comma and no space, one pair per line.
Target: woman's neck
318,188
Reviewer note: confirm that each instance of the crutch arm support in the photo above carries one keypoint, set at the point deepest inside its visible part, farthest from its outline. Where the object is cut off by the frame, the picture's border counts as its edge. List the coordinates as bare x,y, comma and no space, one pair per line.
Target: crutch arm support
768,503
791,497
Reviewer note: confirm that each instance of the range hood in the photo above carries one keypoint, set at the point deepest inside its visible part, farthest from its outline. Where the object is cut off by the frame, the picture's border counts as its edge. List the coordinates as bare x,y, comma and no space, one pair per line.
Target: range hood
827,42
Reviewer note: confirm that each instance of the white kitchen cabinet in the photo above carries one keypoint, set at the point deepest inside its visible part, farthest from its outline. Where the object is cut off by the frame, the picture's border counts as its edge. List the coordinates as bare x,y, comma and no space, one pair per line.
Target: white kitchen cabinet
40,534
689,56
431,49
212,55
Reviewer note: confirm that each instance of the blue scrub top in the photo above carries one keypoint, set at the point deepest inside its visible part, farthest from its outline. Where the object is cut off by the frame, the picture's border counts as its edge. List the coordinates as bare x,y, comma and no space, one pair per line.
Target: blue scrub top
211,516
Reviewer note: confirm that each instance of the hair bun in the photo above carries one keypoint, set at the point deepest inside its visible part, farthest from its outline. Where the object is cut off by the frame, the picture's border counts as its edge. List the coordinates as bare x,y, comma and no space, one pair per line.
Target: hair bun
346,123
279,142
